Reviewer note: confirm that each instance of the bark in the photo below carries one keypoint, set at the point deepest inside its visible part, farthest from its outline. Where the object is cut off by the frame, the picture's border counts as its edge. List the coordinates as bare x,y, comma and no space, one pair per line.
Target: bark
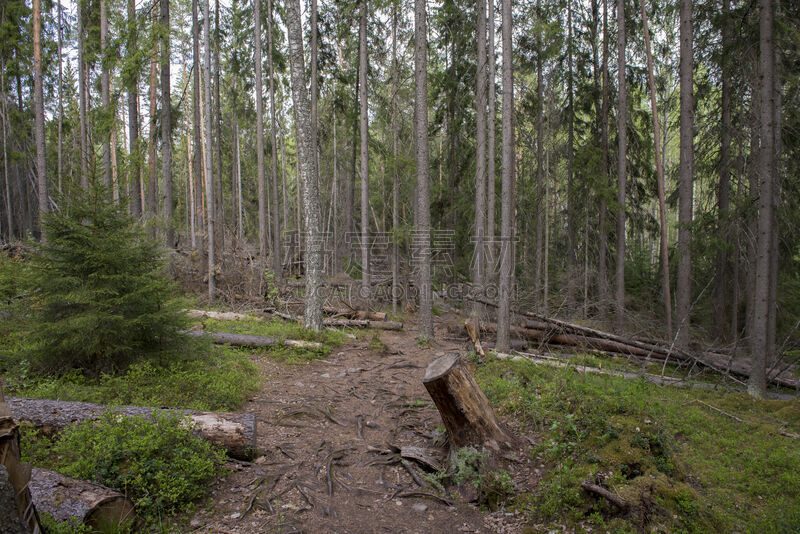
5,128
166,128
9,518
686,170
133,116
234,432
364,123
602,246
105,92
465,410
395,165
60,170
364,323
38,98
541,206
571,252
662,208
622,167
308,165
191,206
242,340
151,190
64,498
507,207
760,325
262,195
423,213
478,267
355,314
209,173
276,228
722,268
220,241
197,157
491,174
82,102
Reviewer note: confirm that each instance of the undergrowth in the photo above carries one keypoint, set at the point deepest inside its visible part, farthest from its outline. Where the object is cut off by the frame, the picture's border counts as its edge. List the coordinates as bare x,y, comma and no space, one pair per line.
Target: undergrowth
682,466
157,461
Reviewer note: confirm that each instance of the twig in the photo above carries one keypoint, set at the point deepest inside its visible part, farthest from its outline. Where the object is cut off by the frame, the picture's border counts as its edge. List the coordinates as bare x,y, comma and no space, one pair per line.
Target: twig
607,495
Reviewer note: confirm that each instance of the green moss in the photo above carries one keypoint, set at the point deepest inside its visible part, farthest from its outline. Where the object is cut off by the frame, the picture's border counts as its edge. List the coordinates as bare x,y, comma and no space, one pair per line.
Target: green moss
684,466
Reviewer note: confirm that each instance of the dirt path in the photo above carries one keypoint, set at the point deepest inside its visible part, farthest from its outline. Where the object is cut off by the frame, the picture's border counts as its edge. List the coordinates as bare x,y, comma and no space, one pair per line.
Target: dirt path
324,416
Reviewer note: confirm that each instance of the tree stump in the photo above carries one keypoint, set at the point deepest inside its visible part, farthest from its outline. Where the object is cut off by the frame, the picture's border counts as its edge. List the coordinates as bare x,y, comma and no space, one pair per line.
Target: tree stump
97,506
465,410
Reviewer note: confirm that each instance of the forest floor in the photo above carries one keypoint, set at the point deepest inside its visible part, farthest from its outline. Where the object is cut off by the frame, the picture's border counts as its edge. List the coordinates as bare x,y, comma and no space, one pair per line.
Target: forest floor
316,424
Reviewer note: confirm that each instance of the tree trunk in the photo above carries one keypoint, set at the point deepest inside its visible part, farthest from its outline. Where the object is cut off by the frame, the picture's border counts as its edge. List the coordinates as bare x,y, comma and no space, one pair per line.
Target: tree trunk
364,122
722,268
82,102
220,227
60,101
64,499
622,166
166,128
395,164
242,340
662,208
133,116
541,206
571,252
234,432
105,92
478,267
422,239
38,103
209,172
6,128
151,190
491,174
308,166
685,193
465,410
760,324
197,156
276,228
262,195
602,246
507,207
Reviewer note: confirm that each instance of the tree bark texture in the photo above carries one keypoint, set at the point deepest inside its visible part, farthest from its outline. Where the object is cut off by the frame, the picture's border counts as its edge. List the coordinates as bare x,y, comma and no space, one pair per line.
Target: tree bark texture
479,256
209,172
38,98
166,127
276,228
262,186
364,124
622,165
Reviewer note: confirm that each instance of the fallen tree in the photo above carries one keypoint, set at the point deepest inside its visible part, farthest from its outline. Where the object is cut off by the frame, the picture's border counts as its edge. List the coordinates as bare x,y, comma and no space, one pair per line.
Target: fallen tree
221,316
363,323
244,340
355,314
554,331
236,433
100,508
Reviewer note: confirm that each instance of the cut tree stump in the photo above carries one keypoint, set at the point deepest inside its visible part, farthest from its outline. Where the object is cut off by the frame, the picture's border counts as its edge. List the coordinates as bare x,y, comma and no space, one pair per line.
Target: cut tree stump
236,433
465,410
96,506
244,340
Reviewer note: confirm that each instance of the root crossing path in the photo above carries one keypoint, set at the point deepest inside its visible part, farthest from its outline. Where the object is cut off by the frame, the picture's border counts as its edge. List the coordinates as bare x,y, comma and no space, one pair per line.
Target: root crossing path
321,429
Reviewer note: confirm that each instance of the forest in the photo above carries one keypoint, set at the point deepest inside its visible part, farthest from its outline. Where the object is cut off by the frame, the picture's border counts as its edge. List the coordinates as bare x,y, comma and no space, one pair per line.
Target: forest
533,262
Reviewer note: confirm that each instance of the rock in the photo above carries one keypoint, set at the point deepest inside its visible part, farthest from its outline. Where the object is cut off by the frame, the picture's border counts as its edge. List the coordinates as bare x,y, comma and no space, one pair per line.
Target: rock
195,523
235,515
325,375
419,507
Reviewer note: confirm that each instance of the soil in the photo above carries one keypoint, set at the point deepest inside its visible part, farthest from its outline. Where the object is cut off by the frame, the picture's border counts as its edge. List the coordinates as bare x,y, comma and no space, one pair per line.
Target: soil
337,414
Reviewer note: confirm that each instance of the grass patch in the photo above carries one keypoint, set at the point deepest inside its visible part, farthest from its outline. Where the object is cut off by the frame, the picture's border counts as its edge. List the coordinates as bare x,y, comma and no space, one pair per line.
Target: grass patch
216,379
281,330
684,467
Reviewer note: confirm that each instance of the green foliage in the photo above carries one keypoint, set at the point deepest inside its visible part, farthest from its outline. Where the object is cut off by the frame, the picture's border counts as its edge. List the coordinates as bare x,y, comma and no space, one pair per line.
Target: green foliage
73,526
689,467
470,466
103,296
157,461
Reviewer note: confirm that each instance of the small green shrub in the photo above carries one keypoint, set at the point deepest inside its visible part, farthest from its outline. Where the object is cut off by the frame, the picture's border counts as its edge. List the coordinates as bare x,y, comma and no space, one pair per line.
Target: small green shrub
73,526
158,461
103,297
470,466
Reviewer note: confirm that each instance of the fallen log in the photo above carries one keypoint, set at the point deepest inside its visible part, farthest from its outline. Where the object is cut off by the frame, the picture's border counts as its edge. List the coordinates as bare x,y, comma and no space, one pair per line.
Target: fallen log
100,508
363,323
236,433
600,491
244,340
465,410
17,511
221,316
355,314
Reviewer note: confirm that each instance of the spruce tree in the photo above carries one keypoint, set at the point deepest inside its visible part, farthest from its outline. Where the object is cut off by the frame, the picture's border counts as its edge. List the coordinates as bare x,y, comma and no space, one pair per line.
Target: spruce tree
104,297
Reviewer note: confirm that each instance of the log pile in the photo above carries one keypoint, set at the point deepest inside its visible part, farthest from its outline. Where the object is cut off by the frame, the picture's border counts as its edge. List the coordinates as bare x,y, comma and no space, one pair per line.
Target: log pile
547,330
236,433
